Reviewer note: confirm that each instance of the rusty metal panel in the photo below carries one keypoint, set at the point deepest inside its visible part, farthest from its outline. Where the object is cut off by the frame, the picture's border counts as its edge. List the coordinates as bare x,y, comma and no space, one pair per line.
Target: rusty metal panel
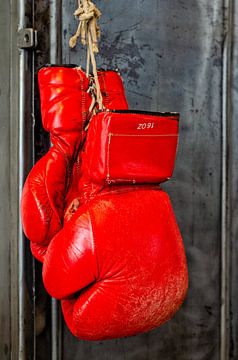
170,55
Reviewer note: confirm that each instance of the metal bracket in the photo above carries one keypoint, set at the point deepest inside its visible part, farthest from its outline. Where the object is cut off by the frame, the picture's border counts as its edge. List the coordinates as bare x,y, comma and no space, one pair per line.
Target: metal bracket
27,38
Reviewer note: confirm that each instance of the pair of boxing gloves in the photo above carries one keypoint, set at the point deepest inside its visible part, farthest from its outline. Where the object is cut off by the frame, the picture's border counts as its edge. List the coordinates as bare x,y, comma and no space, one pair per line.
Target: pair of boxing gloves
95,214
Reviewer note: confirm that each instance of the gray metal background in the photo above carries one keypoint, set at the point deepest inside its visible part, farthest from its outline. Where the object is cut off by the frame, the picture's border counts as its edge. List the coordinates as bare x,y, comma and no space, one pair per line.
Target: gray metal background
170,55
4,181
174,56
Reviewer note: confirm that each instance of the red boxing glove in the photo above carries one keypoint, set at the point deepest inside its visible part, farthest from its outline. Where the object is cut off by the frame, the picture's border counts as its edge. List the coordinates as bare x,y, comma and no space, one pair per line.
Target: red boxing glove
53,182
119,263
64,106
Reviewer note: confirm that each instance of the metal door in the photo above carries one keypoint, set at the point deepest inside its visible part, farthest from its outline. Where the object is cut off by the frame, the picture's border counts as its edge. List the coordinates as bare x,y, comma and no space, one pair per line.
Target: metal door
174,56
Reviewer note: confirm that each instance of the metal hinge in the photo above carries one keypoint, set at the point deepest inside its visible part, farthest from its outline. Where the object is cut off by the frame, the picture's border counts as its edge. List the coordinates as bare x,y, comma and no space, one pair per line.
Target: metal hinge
27,38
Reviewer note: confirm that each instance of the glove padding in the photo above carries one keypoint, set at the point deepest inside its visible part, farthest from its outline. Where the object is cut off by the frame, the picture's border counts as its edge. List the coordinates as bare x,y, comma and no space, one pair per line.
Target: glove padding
50,194
64,105
119,264
128,147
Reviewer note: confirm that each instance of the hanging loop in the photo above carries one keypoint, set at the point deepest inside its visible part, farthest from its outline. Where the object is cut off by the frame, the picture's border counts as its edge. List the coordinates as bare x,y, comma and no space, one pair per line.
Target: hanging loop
87,14
89,32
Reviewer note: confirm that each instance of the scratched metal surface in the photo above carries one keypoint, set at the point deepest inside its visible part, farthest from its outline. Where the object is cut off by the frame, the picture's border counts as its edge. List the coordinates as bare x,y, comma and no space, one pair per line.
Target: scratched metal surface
5,227
233,175
170,56
41,142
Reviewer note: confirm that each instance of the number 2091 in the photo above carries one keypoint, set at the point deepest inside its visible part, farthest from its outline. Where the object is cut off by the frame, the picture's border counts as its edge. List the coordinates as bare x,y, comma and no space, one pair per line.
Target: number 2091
145,126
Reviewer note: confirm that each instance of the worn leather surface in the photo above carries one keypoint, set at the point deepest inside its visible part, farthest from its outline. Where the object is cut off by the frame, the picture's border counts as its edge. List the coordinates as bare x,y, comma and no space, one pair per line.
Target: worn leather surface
53,182
117,261
127,147
119,265
136,148
121,260
64,101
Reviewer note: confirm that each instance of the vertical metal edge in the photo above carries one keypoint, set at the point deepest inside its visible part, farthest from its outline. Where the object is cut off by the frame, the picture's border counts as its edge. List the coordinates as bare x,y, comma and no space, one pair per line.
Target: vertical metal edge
21,167
25,302
55,57
55,31
56,331
33,159
14,110
225,186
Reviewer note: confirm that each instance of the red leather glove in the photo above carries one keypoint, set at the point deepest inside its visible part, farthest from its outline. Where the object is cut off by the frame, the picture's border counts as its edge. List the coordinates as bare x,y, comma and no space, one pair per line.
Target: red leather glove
52,184
119,263
64,105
